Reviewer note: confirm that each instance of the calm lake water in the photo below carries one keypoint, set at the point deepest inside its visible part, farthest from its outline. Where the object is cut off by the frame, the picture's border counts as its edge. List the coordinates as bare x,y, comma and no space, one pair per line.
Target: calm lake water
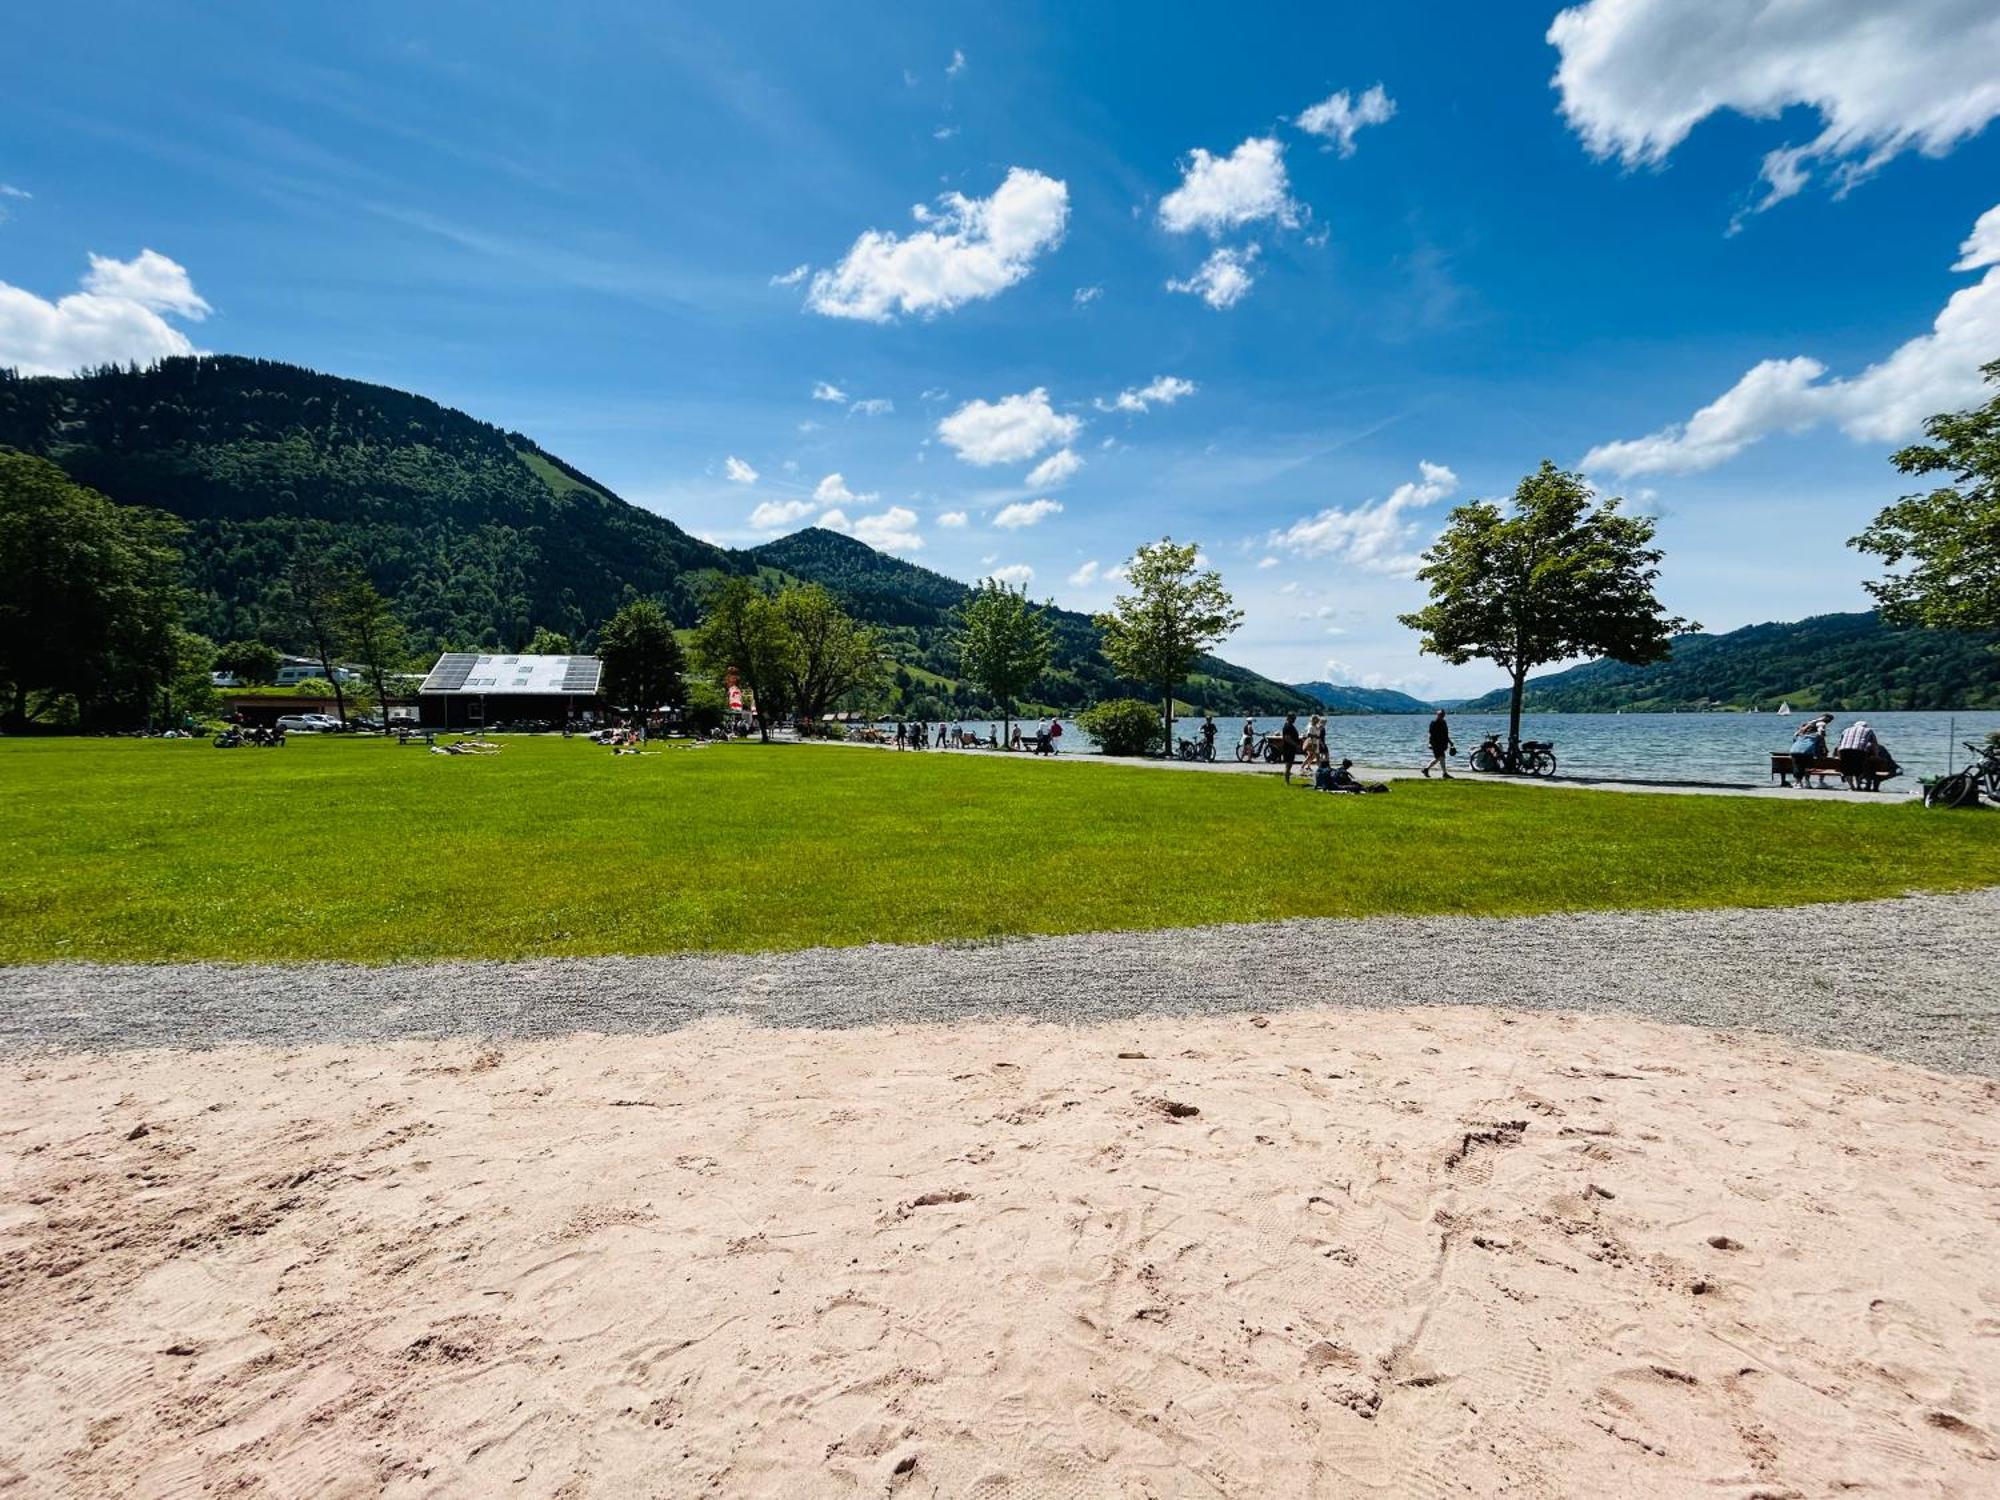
1642,747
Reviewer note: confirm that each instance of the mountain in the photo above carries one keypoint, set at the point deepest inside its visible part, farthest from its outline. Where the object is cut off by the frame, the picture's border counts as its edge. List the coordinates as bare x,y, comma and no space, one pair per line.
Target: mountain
479,535
1847,661
1338,698
913,606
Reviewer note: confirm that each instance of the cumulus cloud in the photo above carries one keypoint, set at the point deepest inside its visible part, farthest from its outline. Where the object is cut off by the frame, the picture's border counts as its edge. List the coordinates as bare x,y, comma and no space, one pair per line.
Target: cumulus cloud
1008,431
775,515
119,316
833,490
1083,296
1267,562
792,277
954,519
1058,468
1887,402
1377,536
826,390
1224,192
738,471
892,530
1223,280
969,249
1636,76
1026,513
1338,118
957,64
874,406
1018,574
1086,575
1162,390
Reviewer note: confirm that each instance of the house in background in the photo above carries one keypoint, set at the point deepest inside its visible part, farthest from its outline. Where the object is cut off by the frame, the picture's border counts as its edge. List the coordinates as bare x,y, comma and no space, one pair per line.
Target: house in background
465,691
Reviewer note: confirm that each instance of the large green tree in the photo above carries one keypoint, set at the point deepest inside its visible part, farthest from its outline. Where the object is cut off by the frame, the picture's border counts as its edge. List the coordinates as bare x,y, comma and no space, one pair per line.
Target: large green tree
825,654
1555,576
1176,611
742,634
252,662
89,597
644,665
1950,537
317,586
1004,644
371,634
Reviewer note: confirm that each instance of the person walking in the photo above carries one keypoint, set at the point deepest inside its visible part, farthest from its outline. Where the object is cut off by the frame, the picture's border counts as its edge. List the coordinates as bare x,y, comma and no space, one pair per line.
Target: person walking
1441,746
1288,744
902,738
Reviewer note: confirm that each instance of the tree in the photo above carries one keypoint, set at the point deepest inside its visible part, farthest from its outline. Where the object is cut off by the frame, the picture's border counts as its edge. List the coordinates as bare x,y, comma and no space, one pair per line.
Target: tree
643,660
372,634
1004,644
742,634
251,662
89,596
316,609
1176,611
1124,726
826,655
1555,578
1951,536
547,642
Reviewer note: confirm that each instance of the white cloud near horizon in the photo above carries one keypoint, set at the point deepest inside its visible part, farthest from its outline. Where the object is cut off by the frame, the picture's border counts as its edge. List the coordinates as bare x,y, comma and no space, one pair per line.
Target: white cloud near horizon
1339,117
969,249
1011,430
737,471
1886,402
1058,468
1226,192
1162,390
826,390
1224,278
1026,513
833,490
775,515
1636,77
954,519
892,530
1019,574
1377,536
119,316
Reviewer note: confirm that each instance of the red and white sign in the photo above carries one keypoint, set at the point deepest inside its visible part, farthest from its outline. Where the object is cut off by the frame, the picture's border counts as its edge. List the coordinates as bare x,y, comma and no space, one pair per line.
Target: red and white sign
735,697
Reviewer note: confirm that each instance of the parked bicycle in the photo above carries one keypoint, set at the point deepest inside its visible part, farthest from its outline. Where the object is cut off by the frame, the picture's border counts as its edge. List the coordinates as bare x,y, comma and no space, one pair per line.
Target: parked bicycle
1535,757
1962,788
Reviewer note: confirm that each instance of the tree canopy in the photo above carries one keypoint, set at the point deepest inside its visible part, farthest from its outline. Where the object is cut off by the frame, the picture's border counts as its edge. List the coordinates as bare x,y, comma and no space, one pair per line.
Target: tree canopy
1553,577
1004,643
1175,611
644,666
1950,536
742,635
825,655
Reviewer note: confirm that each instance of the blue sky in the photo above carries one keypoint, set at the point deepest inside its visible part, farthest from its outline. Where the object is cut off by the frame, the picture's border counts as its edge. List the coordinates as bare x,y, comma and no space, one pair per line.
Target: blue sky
581,221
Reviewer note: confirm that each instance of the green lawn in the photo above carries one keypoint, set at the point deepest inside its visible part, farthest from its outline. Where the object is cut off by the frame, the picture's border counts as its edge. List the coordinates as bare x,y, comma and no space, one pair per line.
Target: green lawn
130,850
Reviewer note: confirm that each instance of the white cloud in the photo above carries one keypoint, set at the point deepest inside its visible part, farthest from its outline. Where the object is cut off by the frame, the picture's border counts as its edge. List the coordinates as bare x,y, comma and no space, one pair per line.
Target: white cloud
1223,280
874,406
1019,574
792,277
1026,513
957,64
1163,390
1887,402
8,190
1086,575
1083,296
1376,536
974,248
1058,468
892,530
936,393
1267,562
954,519
833,490
826,390
774,515
944,132
119,317
1636,76
1338,118
1222,192
1008,431
738,472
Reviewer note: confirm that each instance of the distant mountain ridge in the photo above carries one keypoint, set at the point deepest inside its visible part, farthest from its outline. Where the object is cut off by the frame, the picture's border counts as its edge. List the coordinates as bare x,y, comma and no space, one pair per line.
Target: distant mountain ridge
478,535
1341,698
1838,661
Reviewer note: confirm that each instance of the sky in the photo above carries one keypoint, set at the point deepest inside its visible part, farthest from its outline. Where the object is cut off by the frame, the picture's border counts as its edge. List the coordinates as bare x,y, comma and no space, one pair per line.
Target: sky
1009,290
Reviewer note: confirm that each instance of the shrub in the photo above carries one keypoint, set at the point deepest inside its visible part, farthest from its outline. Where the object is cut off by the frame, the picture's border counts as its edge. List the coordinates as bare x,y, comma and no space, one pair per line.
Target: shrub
1124,726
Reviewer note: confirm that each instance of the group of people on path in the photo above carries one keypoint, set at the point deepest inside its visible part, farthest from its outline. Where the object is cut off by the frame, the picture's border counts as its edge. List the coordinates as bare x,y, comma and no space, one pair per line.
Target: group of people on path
922,736
1809,750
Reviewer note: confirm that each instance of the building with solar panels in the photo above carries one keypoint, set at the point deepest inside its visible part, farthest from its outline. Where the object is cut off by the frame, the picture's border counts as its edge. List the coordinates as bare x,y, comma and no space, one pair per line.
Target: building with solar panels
464,691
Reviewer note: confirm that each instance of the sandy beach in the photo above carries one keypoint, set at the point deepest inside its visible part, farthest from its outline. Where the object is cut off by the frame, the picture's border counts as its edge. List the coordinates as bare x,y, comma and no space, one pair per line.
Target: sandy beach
1417,1252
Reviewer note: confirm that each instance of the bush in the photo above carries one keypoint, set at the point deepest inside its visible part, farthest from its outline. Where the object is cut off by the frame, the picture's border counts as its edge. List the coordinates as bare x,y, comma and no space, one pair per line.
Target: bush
1124,726
704,709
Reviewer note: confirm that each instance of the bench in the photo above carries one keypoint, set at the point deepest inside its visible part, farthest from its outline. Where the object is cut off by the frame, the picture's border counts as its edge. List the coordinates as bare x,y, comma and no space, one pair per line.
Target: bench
1781,768
1856,768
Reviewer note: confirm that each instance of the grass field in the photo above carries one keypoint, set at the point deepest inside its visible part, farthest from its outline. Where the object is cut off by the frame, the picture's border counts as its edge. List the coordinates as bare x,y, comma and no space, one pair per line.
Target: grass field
123,850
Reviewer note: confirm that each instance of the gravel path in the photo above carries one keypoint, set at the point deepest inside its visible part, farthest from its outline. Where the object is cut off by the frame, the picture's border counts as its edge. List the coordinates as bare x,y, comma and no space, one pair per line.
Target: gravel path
1912,979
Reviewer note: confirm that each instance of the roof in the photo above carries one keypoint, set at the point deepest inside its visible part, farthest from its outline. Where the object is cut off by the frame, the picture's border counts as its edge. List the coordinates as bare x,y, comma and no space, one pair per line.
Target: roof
462,672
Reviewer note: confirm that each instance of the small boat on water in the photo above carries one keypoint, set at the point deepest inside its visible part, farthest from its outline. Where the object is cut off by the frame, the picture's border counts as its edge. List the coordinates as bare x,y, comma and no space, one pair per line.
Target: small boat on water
1784,708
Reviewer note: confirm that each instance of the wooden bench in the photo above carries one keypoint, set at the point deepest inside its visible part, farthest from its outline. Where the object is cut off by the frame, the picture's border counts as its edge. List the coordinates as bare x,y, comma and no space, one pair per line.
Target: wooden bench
1782,771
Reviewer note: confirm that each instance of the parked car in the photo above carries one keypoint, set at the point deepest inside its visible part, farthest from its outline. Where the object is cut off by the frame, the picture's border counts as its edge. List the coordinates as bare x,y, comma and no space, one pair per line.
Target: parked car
309,724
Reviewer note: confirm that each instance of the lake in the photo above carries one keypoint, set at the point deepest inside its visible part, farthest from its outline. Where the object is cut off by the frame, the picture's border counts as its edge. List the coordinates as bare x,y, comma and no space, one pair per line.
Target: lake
1639,747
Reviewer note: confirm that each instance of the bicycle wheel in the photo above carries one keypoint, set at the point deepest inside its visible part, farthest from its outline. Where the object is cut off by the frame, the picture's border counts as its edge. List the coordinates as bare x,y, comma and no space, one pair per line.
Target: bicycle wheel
1956,790
1545,763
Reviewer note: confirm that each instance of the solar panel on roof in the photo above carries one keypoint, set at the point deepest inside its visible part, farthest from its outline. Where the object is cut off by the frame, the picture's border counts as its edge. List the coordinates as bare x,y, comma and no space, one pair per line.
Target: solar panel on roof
449,675
466,672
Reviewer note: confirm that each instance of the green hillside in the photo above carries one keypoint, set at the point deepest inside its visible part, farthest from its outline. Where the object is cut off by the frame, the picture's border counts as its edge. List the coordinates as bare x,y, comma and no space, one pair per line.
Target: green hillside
1849,661
1338,698
914,607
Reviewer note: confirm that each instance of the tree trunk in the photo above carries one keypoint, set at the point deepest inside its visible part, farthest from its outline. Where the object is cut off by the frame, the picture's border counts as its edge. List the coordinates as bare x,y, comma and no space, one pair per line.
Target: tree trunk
1006,722
763,729
1514,720
1167,724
